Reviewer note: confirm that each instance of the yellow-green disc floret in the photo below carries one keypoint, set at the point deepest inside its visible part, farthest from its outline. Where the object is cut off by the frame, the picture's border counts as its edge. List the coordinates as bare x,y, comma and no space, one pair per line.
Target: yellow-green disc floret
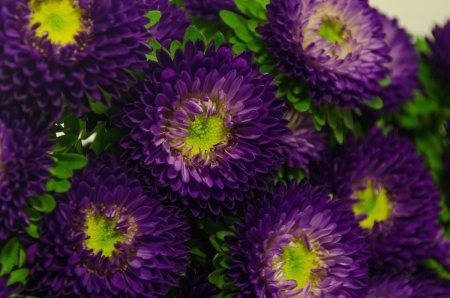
374,202
61,19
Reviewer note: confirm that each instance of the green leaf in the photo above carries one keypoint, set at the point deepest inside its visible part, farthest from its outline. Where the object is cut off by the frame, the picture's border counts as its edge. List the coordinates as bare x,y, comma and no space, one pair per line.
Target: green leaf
197,252
32,230
61,171
214,241
385,82
232,19
348,118
376,103
9,255
190,34
114,135
18,275
155,46
222,260
64,142
154,16
333,116
71,160
218,39
174,46
244,34
222,234
302,106
97,106
57,185
217,277
339,133
22,256
32,214
45,203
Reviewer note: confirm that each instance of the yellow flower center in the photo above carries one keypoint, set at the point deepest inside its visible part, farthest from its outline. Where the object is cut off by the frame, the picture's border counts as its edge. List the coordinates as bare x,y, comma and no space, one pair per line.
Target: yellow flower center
299,261
332,30
205,133
374,202
101,234
60,19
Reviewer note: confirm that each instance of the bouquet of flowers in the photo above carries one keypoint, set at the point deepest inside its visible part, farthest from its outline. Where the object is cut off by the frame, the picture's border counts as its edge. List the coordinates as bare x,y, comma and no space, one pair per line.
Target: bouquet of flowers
222,148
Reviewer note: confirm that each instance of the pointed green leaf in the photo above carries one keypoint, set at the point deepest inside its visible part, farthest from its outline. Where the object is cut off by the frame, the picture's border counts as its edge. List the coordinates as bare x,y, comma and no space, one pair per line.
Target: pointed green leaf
22,256
232,19
244,34
214,241
333,116
174,46
114,135
302,106
9,255
339,133
18,276
154,16
45,203
61,171
376,103
222,234
385,82
218,39
190,34
32,214
217,277
155,46
32,230
71,160
57,185
348,118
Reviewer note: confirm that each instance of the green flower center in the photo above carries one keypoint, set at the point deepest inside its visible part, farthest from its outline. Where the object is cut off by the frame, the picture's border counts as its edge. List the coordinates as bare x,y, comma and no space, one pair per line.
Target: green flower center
205,133
332,30
61,19
299,261
374,202
101,234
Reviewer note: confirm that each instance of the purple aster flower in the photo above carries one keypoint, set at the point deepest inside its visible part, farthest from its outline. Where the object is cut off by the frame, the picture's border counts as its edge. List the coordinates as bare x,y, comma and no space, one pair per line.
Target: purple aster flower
5,289
195,283
383,180
336,46
303,143
171,26
107,237
79,50
207,125
24,165
387,285
440,48
209,9
427,284
403,68
298,243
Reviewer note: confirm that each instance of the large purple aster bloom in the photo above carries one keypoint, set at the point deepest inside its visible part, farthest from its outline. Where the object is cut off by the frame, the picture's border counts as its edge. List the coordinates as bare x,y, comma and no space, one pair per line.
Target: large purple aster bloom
303,143
171,26
336,46
209,9
383,180
388,285
298,243
107,237
440,47
5,289
72,49
403,67
207,125
195,283
24,165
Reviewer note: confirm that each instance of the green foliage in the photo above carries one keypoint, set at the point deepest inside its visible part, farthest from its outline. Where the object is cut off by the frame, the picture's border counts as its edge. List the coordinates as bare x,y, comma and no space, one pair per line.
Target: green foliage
154,16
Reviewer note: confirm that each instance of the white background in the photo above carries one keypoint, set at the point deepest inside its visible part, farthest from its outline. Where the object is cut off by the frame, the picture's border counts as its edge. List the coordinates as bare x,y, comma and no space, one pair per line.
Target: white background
418,16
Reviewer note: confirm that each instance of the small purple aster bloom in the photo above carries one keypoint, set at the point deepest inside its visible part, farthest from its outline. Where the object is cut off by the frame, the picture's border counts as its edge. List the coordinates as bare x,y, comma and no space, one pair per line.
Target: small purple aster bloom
5,289
298,243
388,285
303,143
440,48
207,125
383,180
336,46
24,165
403,68
427,284
195,283
108,237
209,9
171,26
79,50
